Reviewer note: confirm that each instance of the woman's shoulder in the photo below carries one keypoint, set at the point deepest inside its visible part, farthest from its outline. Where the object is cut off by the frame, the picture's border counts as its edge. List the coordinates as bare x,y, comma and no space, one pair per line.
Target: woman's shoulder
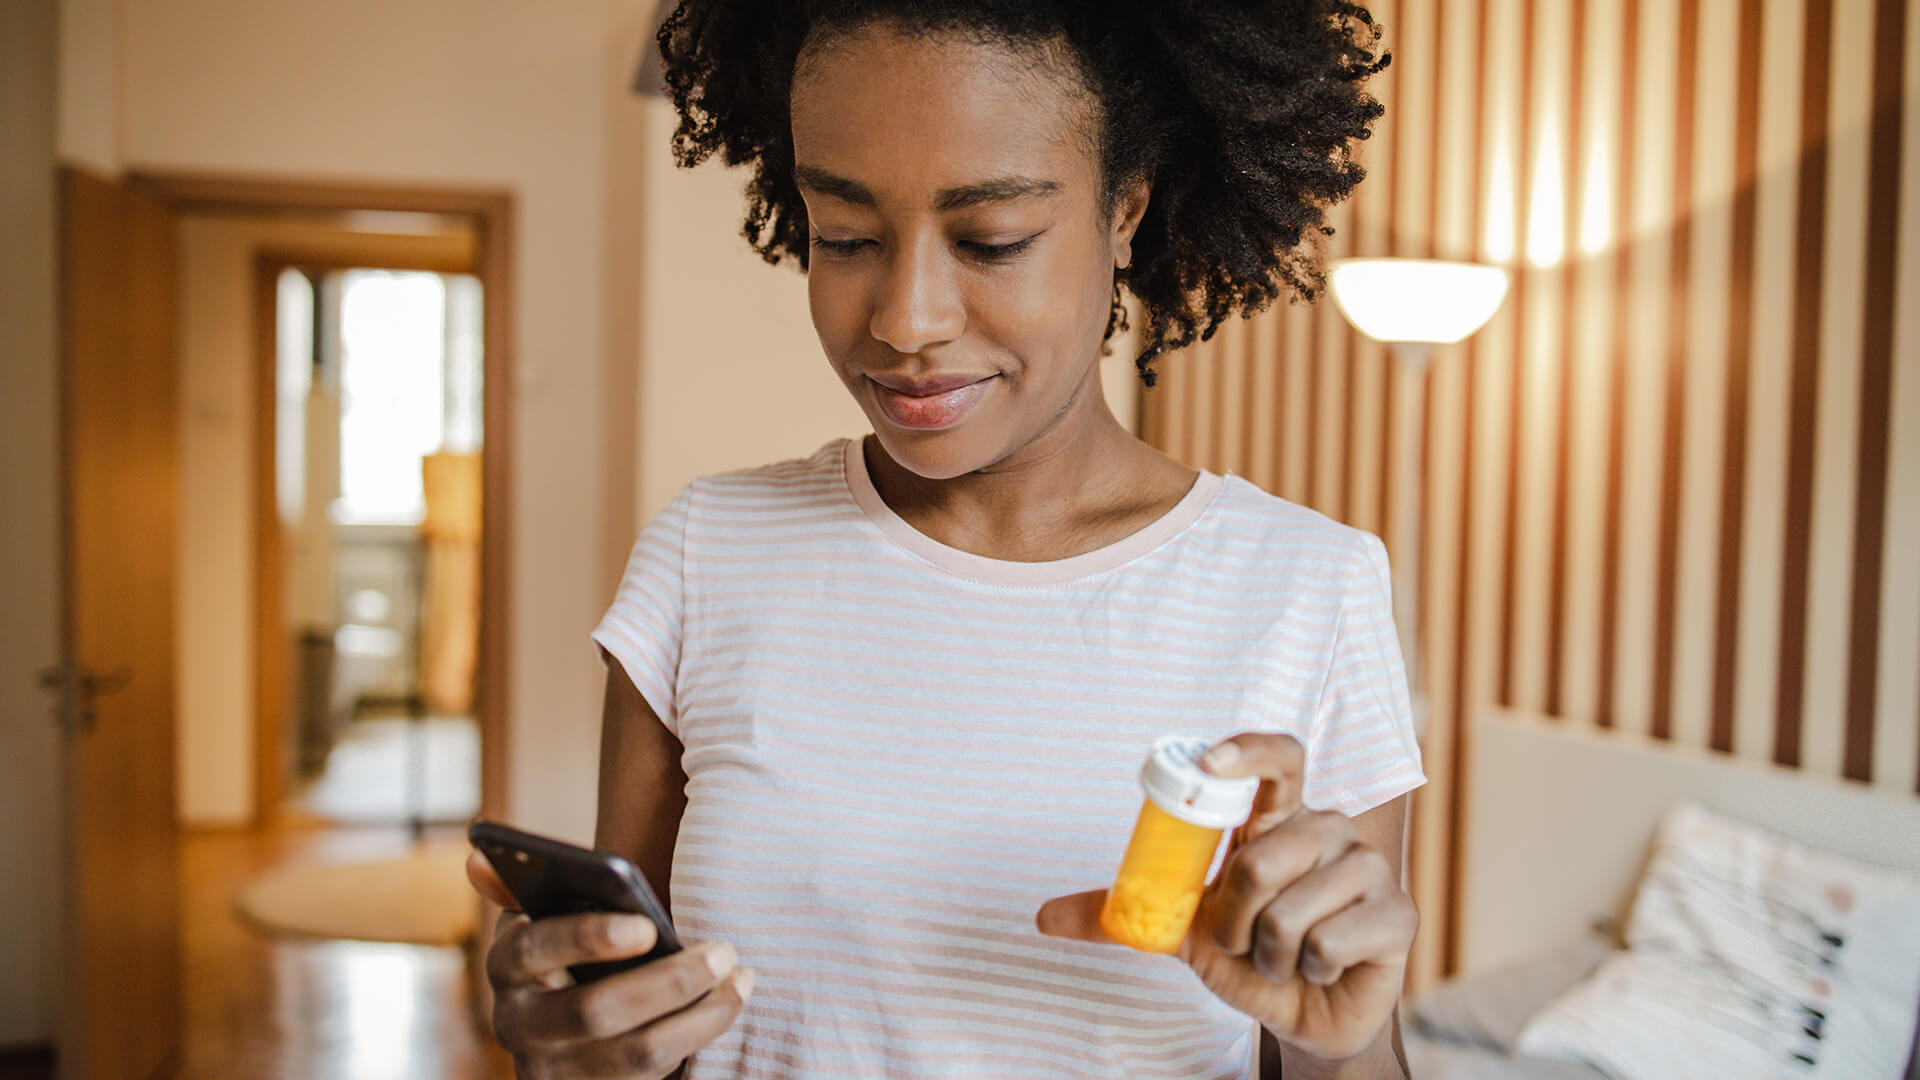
1245,511
801,479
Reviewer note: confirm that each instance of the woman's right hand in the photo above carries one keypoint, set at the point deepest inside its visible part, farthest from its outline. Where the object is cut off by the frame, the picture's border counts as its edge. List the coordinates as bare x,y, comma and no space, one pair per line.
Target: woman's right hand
639,1023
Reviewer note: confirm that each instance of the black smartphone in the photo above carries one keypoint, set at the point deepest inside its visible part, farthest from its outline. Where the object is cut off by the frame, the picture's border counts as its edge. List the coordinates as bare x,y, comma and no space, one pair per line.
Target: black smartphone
551,877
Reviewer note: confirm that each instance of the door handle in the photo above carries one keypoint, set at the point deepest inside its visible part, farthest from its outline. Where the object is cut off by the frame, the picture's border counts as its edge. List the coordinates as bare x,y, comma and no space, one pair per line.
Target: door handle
92,684
78,687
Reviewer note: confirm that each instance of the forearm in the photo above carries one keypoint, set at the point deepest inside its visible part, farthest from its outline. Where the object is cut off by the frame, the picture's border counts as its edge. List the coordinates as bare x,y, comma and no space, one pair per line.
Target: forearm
1385,1059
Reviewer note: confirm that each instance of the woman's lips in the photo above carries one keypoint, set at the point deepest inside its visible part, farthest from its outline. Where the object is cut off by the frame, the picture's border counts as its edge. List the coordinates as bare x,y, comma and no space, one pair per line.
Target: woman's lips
933,411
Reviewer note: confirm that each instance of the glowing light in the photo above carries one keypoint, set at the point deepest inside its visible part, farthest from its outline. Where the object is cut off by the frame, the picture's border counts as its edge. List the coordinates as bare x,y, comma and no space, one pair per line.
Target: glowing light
392,385
380,985
1547,202
1596,199
1417,300
1499,240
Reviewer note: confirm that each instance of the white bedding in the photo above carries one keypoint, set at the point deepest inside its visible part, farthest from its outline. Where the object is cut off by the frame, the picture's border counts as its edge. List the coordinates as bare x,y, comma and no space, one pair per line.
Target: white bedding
1539,789
1438,1059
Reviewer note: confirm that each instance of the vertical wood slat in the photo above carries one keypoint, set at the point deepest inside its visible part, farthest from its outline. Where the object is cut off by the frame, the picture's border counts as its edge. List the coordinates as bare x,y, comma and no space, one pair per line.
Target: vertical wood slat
1764,541
1829,523
1615,463
1515,420
1460,33
1389,243
1803,390
1247,362
1263,391
1223,413
1680,272
1739,341
1416,205
1709,238
1876,383
1469,365
1565,360
1896,735
1296,455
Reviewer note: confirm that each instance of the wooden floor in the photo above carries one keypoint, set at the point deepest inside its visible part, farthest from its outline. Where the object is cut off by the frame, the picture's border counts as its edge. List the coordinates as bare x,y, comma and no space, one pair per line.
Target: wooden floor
283,1010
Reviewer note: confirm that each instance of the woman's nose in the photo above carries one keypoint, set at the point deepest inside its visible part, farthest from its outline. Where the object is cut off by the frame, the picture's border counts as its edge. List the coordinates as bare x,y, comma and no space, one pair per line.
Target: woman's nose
919,305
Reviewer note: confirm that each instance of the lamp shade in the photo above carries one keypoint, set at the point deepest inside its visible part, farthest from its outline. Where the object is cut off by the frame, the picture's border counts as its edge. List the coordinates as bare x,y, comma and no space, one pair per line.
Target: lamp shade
1417,300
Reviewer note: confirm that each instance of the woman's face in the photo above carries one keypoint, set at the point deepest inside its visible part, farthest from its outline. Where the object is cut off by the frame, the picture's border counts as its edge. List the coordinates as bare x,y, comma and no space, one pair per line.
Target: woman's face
961,269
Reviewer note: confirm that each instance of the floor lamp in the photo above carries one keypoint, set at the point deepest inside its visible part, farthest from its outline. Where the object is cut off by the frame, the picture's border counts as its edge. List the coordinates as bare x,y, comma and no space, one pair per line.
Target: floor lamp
1411,305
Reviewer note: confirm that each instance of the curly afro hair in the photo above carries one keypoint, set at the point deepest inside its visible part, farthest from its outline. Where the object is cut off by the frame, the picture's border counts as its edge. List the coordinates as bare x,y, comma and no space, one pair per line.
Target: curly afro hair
1244,115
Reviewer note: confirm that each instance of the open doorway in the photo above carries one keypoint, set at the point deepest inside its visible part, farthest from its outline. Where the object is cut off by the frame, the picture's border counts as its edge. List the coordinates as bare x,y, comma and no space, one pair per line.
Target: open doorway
344,460
178,976
248,752
377,436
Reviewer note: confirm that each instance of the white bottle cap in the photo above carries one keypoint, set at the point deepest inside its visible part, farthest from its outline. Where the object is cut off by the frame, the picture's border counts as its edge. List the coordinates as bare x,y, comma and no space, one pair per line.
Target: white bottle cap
1174,780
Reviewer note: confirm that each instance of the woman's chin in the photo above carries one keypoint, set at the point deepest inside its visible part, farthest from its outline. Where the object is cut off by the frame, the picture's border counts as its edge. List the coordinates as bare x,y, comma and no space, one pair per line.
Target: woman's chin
934,455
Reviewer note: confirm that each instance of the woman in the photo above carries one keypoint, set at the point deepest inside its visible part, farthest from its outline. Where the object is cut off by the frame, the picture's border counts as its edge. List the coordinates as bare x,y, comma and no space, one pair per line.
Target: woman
875,715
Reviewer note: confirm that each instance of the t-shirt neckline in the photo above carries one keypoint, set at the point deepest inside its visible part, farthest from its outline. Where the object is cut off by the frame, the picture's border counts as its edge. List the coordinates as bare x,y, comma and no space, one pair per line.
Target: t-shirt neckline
1005,572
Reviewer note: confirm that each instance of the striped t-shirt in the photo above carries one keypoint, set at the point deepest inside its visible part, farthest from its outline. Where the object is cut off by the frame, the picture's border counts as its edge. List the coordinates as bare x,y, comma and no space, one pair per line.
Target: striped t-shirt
896,751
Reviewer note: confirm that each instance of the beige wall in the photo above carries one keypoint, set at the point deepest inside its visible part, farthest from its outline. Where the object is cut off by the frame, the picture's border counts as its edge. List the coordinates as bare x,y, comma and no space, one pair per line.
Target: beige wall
219,380
29,562
89,81
732,371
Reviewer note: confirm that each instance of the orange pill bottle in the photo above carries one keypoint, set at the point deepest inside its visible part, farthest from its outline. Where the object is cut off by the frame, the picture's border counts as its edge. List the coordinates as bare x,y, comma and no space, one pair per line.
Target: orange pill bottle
1186,810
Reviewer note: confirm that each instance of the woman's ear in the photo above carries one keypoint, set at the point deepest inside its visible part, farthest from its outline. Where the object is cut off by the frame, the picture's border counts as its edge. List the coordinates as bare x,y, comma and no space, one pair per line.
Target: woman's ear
1128,209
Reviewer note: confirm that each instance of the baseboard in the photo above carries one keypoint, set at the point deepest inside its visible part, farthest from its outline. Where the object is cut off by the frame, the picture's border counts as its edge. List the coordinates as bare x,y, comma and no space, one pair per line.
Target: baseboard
29,1062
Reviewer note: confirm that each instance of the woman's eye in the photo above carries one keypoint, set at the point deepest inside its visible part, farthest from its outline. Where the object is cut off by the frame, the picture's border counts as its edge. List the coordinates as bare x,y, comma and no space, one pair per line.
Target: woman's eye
973,248
997,251
839,247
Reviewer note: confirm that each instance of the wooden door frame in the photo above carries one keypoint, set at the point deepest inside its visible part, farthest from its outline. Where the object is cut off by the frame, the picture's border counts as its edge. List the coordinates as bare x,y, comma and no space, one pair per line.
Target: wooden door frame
490,213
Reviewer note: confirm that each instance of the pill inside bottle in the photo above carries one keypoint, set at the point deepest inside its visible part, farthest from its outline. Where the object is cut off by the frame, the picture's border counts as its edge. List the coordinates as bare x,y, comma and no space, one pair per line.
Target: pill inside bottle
1185,810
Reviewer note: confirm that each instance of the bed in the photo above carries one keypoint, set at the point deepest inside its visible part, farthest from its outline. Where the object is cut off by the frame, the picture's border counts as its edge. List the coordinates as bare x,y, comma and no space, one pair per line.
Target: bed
1572,812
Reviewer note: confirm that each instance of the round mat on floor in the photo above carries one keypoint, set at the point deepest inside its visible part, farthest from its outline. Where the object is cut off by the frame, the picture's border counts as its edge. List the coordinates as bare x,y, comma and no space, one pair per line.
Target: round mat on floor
422,898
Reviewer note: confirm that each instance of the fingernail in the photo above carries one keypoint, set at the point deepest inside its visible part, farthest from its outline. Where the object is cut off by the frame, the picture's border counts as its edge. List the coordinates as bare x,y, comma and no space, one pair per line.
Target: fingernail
1221,756
720,959
743,983
634,932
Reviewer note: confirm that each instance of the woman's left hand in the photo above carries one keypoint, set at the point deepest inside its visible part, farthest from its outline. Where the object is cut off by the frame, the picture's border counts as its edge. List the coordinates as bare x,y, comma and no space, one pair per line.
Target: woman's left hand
1306,928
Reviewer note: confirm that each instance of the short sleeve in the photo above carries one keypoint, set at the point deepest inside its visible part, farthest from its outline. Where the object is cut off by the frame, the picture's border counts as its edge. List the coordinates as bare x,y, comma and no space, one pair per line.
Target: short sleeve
1362,751
642,630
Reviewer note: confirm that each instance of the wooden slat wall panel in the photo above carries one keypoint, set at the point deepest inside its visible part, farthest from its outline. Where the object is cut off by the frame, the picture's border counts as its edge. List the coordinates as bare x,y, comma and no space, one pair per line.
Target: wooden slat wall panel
1675,485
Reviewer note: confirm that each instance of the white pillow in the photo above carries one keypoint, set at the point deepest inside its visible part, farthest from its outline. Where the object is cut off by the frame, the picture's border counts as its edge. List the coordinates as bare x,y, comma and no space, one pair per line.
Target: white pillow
1753,956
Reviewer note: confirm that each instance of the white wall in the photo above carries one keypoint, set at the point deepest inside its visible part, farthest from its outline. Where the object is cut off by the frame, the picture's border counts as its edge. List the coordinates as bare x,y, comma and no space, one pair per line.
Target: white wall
29,562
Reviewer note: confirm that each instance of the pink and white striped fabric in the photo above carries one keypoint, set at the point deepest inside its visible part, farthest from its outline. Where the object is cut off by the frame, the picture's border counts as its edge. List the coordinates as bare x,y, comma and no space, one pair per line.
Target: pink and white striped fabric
896,751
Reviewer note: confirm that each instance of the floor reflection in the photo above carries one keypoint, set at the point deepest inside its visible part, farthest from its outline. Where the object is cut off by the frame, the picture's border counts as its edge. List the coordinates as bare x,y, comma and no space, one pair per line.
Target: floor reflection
285,1010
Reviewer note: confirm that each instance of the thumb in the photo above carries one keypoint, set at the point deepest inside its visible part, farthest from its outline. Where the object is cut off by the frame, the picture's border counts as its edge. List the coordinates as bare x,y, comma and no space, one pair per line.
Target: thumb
1076,917
487,883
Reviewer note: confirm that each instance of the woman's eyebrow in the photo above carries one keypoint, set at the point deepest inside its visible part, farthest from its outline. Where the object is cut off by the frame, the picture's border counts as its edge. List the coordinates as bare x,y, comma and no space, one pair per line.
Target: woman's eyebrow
1002,189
